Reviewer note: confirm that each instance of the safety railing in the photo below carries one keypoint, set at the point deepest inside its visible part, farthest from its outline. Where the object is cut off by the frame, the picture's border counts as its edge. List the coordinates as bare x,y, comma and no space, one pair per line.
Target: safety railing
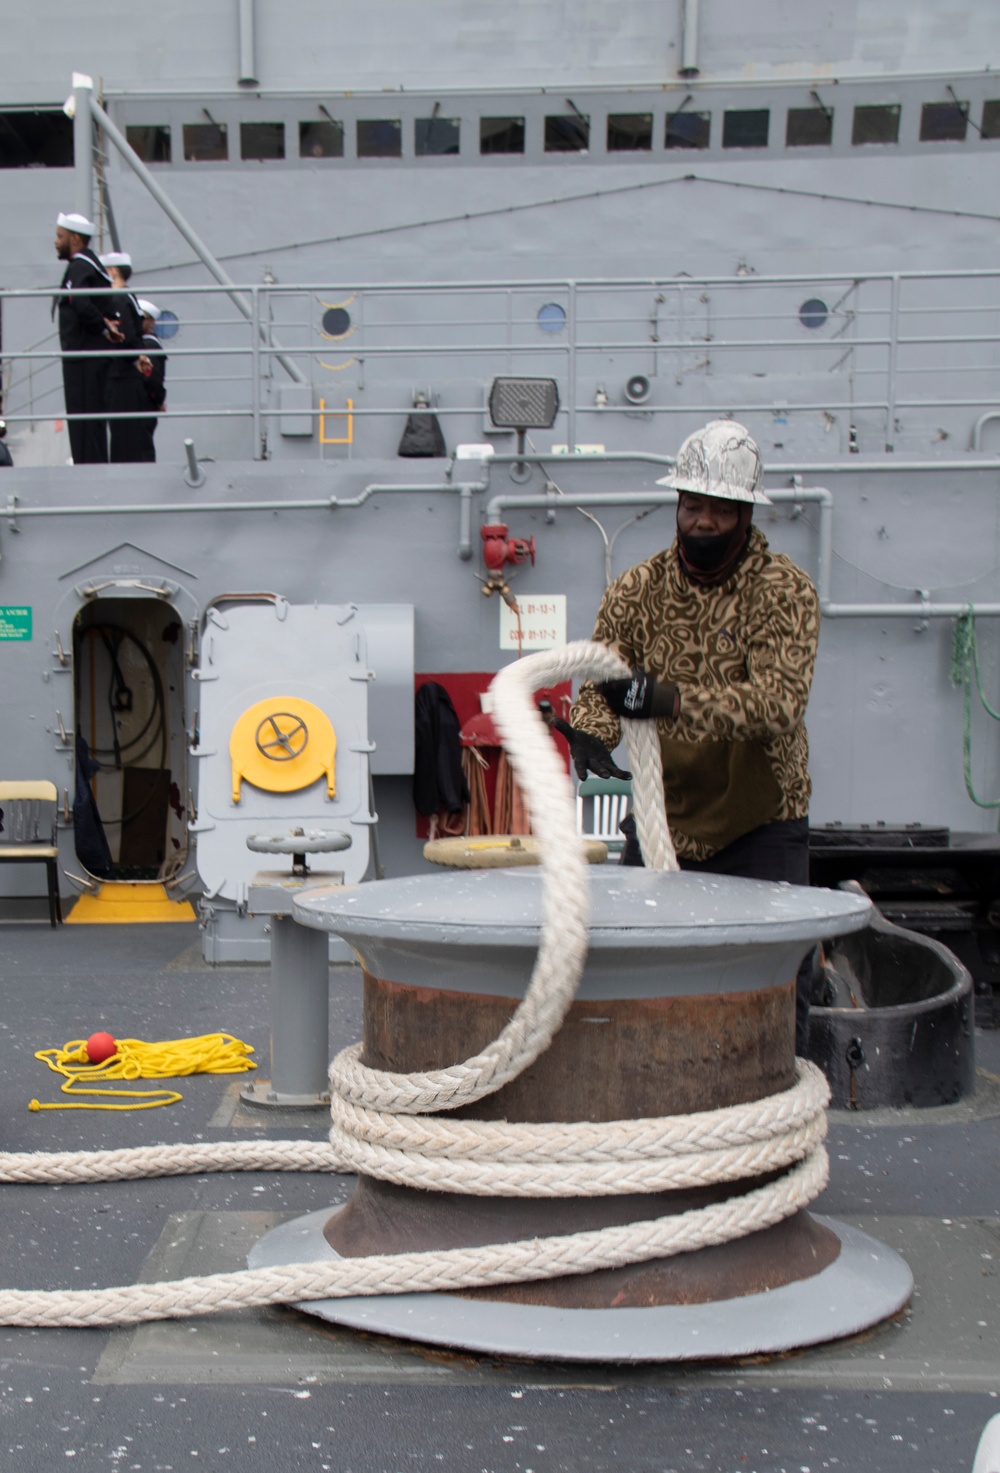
314,366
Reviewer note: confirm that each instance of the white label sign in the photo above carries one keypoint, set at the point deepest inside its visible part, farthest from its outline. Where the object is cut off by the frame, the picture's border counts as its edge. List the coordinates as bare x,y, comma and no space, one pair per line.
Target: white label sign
538,623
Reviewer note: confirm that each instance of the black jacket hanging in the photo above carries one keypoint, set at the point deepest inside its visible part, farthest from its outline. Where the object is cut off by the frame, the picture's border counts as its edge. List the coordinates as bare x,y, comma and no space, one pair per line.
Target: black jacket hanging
438,780
91,844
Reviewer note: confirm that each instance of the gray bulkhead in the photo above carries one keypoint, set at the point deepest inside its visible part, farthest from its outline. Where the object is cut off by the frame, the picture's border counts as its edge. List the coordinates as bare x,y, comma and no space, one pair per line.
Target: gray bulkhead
691,269
885,723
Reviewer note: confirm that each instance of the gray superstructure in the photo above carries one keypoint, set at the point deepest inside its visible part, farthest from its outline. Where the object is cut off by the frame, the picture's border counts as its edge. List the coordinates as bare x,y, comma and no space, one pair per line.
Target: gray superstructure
671,212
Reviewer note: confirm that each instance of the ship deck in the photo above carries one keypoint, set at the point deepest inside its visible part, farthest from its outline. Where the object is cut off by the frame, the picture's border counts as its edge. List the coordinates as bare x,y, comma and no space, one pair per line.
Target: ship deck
276,1388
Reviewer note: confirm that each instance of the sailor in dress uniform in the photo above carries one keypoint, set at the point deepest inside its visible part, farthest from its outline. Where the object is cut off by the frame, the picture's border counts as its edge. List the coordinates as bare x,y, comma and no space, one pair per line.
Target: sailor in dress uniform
126,386
153,366
84,327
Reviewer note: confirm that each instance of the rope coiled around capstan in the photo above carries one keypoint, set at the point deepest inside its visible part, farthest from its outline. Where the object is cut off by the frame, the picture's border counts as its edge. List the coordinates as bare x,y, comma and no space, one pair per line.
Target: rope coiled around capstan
379,1123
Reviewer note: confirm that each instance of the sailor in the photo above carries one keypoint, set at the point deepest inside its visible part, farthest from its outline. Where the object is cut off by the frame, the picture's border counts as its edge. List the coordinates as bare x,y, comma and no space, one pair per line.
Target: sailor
84,326
5,456
122,262
153,367
721,635
131,439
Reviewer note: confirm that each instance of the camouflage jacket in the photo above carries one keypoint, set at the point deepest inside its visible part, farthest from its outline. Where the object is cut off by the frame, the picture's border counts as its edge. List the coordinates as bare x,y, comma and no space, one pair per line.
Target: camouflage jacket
742,656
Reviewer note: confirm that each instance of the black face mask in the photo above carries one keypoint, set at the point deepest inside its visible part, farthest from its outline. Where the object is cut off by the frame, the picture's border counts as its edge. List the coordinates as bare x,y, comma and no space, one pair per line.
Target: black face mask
706,552
711,559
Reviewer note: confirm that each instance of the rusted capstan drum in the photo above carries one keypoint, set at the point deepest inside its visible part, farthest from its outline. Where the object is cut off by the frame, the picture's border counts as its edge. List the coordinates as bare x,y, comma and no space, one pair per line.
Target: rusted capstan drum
686,1004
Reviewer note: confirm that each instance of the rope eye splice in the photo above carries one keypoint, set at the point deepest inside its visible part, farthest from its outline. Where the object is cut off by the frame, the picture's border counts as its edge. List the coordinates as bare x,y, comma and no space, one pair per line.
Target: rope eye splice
85,1064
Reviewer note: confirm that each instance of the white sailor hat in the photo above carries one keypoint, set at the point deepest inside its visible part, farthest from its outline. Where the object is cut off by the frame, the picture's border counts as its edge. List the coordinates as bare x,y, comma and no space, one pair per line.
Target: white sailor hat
116,258
78,224
148,309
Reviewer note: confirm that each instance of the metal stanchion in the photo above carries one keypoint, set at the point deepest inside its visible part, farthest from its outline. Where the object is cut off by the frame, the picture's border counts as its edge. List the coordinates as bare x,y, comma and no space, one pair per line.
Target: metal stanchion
300,982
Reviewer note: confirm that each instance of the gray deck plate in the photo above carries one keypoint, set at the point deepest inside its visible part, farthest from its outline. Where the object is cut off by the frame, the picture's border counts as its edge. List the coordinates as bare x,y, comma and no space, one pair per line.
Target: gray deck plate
278,1389
866,1283
948,1339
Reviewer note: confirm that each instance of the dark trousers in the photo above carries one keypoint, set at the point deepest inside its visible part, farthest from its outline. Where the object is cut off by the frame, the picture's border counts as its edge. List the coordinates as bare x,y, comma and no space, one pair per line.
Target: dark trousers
84,386
131,439
775,851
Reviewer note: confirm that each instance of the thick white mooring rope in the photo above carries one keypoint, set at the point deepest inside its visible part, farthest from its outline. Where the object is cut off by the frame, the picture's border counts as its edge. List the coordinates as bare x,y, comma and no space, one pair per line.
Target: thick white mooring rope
412,1273
379,1125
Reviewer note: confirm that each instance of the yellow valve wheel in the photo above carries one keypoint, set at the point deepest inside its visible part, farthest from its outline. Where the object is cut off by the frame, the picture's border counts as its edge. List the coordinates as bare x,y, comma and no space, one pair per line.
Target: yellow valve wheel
281,737
283,744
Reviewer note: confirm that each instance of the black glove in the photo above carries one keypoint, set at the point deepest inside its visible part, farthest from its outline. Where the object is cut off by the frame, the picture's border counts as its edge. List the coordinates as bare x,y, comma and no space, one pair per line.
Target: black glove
588,753
641,698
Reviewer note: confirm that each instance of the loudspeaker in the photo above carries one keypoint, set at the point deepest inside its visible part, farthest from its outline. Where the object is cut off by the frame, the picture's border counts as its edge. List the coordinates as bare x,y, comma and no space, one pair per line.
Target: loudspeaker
638,389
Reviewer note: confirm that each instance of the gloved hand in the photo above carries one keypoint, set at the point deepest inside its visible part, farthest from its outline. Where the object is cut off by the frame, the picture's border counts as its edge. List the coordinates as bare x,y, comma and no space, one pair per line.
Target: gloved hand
588,753
641,697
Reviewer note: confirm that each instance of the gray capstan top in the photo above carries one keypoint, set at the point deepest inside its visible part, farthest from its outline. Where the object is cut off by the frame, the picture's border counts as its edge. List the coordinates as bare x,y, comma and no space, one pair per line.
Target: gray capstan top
628,908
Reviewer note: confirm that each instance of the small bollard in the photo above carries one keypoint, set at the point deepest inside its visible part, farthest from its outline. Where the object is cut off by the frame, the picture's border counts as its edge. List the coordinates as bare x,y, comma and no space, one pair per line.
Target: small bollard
300,981
194,476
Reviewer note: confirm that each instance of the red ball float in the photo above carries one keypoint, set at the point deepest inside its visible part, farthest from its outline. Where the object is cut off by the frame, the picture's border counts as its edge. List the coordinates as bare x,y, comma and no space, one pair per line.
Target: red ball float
101,1046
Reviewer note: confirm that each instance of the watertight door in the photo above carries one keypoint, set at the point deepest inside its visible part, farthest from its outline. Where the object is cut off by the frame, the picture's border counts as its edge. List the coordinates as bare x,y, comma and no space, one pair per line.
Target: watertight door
281,739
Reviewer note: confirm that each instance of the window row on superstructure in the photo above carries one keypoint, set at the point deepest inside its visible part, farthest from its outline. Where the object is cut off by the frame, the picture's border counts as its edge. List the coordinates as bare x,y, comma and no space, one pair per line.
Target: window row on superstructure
43,138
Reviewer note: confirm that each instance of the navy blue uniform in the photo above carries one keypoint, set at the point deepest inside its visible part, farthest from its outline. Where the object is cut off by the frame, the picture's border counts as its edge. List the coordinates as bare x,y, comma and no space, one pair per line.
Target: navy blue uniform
156,390
131,439
82,329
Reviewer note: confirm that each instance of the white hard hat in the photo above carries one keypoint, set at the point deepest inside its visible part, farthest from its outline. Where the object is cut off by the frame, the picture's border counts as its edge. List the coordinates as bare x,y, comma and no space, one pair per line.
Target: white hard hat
720,460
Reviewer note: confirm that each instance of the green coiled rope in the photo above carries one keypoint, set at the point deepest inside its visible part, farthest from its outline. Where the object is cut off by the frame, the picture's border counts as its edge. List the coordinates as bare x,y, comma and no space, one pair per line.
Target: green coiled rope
965,667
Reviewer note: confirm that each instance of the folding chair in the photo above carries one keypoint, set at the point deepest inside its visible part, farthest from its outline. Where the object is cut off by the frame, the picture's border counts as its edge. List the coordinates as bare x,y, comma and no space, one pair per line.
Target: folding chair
28,832
601,804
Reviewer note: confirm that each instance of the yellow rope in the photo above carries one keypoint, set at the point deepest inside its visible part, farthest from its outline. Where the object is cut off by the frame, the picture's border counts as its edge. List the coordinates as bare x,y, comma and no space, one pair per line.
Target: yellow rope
211,1053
